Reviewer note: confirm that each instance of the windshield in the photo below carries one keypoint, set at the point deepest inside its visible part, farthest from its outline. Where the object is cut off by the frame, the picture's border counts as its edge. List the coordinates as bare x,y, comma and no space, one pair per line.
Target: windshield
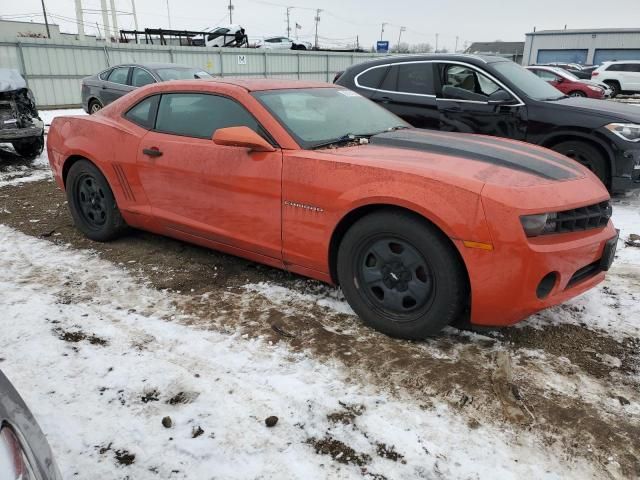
527,81
177,73
317,116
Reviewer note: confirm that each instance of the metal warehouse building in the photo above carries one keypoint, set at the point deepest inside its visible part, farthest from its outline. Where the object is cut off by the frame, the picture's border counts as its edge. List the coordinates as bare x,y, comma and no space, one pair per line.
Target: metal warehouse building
586,47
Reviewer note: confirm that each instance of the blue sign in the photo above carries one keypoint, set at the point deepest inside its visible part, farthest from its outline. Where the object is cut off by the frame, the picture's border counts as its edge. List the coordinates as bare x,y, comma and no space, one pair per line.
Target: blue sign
382,46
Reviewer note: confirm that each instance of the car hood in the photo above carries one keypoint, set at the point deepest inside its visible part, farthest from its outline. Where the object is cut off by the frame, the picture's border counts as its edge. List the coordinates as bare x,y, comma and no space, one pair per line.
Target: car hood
610,111
466,160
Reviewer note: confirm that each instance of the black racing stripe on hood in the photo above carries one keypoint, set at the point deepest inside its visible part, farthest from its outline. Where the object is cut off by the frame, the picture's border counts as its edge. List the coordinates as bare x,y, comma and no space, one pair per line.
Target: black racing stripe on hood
525,148
457,145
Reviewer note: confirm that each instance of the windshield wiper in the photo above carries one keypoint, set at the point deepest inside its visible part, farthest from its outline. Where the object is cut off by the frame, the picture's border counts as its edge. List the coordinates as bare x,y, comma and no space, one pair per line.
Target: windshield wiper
348,138
553,99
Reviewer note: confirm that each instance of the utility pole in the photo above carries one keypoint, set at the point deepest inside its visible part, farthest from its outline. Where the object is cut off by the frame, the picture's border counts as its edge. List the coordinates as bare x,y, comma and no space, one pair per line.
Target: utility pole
288,24
402,29
382,30
230,7
46,22
437,35
317,19
80,19
105,21
168,14
456,50
114,19
135,16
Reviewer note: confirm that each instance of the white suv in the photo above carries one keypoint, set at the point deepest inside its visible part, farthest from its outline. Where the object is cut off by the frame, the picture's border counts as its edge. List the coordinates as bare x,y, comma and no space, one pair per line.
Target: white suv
621,76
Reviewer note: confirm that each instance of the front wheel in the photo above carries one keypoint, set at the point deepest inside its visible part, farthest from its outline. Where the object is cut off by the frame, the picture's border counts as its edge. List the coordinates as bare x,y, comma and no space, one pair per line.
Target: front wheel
401,275
29,147
614,86
92,204
588,156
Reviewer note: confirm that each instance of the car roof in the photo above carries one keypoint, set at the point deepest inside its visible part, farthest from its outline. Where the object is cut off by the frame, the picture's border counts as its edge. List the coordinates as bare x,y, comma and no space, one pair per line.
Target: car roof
613,62
259,84
473,59
153,65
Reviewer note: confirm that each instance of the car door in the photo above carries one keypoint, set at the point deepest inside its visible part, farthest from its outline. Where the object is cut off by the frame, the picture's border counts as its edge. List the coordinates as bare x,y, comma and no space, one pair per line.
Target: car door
472,101
552,79
407,89
116,86
632,77
141,77
222,194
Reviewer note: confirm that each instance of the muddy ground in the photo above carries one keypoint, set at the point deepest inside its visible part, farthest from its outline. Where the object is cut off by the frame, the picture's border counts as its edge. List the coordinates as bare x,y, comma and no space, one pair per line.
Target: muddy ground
574,386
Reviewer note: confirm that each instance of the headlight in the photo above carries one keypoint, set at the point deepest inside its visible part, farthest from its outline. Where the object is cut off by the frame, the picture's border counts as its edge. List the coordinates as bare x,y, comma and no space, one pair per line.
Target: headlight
595,89
628,131
13,461
539,224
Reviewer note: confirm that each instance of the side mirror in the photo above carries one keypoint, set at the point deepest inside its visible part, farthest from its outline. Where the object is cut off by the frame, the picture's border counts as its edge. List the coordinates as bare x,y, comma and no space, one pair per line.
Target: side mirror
241,137
500,97
559,79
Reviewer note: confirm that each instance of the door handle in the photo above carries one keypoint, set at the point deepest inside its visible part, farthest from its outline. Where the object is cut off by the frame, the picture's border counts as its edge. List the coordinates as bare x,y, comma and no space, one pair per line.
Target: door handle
385,99
152,152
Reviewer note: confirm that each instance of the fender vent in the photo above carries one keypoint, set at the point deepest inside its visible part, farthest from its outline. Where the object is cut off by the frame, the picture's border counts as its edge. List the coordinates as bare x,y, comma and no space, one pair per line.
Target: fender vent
124,184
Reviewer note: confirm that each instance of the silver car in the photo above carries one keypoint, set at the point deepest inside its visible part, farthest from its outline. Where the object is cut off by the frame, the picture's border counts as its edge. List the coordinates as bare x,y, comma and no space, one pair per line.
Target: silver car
103,88
24,451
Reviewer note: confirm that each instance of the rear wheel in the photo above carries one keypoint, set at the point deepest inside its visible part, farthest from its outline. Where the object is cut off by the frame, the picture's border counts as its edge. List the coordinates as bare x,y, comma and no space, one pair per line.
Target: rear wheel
588,156
401,275
577,93
94,106
614,86
29,147
92,204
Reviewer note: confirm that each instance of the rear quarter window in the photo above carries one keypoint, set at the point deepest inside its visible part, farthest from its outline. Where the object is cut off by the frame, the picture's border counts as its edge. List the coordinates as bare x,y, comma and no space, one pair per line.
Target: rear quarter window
373,78
143,113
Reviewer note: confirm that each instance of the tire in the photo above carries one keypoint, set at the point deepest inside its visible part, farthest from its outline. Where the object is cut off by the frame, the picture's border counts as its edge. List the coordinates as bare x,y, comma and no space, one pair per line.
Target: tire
94,106
588,156
29,147
401,275
577,93
614,86
92,204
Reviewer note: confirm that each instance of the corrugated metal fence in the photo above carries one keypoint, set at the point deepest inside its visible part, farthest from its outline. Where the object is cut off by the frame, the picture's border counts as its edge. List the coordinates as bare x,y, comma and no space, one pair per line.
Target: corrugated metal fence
54,70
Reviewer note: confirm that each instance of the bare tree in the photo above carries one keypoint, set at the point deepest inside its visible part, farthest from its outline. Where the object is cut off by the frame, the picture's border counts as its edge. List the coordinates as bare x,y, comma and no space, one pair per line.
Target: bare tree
402,47
421,48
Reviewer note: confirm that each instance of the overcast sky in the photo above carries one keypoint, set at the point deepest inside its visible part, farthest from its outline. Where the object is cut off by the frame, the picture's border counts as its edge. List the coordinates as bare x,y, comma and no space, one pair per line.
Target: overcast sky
342,20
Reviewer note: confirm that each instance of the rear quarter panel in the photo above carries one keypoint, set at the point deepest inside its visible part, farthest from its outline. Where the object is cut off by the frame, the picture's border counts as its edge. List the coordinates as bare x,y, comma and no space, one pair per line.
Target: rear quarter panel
110,144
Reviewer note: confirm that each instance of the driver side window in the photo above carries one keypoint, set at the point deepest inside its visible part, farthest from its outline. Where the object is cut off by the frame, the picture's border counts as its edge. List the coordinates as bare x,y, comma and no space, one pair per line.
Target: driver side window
464,83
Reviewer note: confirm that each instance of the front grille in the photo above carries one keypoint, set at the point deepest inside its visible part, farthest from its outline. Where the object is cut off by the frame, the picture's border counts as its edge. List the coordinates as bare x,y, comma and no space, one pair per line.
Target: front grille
584,273
583,218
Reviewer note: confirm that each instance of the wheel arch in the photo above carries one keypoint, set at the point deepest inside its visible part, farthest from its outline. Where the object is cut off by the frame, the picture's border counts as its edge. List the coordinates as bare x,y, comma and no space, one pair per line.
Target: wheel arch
75,158
593,140
351,217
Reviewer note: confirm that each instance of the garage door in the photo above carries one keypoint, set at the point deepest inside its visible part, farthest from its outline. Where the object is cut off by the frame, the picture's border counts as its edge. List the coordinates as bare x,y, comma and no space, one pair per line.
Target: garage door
564,56
610,54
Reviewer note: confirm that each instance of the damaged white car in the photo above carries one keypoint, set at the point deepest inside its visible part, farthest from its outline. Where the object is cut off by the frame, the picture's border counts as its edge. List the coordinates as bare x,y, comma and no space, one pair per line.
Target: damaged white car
20,124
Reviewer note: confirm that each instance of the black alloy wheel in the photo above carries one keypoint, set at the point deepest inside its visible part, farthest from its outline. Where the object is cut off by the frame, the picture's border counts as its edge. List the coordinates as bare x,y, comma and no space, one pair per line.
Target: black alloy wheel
395,276
92,204
401,274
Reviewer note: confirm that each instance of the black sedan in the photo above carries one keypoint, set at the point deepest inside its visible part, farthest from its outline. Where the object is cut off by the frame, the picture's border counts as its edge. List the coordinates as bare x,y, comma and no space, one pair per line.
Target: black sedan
24,451
494,96
103,88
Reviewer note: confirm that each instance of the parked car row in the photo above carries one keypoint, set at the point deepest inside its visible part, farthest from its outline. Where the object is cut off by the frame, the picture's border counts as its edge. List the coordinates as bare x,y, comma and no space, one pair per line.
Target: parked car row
571,85
494,96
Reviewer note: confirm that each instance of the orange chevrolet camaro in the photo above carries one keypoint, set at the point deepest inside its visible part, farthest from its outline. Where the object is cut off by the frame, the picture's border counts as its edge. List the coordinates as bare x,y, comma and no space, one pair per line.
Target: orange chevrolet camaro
419,228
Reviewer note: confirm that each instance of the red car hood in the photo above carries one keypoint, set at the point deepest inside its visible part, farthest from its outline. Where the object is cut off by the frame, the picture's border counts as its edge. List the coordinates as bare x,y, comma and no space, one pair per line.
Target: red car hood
469,160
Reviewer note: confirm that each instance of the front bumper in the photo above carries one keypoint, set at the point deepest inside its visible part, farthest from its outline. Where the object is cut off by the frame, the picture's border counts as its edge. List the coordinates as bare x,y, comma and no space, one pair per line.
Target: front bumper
505,281
627,175
10,134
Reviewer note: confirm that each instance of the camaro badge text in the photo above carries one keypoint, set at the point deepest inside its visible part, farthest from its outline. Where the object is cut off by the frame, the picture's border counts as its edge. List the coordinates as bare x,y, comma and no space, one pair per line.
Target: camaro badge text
311,208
